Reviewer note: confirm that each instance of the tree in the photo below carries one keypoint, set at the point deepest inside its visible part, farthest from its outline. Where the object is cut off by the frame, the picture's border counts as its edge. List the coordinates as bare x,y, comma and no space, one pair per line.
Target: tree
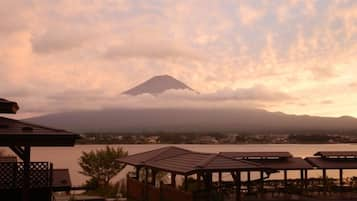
102,165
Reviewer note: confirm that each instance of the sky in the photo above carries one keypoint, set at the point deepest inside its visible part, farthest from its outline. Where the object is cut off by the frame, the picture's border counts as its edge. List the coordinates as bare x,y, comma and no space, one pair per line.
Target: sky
293,56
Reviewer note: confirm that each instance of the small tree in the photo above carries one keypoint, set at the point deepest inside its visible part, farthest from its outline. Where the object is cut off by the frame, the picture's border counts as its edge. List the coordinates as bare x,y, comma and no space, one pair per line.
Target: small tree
101,165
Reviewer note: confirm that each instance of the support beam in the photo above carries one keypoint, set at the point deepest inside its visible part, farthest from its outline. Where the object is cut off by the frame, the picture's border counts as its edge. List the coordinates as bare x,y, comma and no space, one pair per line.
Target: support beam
248,181
173,179
306,178
238,184
341,177
27,159
285,179
324,177
262,181
19,151
219,180
302,178
185,183
146,175
153,177
137,173
198,177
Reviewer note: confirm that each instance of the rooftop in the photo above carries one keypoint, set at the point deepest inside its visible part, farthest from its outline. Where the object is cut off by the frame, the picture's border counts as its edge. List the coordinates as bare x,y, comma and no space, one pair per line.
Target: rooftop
7,106
14,132
337,154
332,163
257,155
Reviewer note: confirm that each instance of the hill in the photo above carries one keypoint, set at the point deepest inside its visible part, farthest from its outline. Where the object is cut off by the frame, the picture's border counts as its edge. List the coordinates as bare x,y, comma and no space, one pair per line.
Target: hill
191,120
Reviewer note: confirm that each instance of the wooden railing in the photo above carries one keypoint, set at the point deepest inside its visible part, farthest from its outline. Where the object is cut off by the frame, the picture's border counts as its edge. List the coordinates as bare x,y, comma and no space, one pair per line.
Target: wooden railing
11,175
139,191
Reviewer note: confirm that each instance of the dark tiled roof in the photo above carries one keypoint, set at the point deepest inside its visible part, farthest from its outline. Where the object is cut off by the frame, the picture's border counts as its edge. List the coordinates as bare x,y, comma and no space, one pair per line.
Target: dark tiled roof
142,158
15,132
220,162
61,180
174,159
256,155
336,153
8,106
287,164
332,163
183,163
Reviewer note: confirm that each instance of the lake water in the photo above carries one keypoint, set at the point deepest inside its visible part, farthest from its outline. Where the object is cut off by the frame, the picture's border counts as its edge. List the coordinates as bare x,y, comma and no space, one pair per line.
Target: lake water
67,157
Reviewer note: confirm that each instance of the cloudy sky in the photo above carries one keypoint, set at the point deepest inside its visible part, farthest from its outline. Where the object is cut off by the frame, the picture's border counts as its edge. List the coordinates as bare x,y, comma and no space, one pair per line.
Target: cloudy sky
293,56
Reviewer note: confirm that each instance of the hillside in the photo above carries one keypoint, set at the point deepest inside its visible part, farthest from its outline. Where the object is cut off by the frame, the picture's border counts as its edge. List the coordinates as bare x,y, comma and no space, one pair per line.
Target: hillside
190,120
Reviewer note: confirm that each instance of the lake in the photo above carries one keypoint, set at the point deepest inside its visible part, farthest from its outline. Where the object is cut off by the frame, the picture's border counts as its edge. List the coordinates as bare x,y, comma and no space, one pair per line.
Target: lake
67,157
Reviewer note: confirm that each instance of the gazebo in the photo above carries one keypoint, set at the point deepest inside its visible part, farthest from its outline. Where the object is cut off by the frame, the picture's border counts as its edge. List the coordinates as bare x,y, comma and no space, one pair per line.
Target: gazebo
278,161
20,136
178,161
334,160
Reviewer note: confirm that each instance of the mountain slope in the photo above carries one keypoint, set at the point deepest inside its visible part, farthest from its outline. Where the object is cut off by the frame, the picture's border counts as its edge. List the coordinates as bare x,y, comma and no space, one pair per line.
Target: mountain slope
157,85
190,120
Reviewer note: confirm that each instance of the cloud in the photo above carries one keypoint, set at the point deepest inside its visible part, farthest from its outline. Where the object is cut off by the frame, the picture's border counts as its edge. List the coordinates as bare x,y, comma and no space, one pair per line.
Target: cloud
255,93
327,102
265,53
15,16
248,14
58,40
151,48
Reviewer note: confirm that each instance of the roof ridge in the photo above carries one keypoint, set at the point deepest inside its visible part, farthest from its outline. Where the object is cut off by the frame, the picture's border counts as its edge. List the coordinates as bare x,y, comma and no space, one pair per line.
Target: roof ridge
207,161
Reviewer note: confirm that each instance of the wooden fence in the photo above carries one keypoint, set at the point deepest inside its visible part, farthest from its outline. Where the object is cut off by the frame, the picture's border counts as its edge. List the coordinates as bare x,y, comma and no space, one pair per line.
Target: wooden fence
12,180
139,191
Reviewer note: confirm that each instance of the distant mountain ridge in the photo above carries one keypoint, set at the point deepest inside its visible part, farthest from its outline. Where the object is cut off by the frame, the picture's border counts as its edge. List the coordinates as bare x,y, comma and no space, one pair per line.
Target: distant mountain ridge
157,85
191,120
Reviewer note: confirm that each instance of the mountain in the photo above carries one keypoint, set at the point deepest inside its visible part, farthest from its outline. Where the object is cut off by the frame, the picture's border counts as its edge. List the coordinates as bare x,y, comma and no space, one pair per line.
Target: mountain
192,120
157,85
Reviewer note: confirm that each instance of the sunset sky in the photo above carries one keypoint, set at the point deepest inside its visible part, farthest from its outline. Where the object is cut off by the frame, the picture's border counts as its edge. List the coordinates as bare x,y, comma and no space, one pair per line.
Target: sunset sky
293,56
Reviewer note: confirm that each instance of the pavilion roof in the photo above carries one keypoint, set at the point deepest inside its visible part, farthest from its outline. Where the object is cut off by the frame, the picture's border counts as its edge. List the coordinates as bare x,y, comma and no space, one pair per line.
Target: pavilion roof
257,155
18,133
336,154
332,163
182,161
295,163
144,157
7,106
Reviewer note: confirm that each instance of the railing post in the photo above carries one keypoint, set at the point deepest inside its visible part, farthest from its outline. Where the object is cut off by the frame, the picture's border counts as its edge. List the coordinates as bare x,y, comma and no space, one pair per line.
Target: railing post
50,182
26,179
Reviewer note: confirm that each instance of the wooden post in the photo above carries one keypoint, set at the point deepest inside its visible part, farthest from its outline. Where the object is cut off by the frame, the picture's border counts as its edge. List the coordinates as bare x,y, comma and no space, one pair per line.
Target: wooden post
198,177
220,180
301,179
262,181
306,178
173,179
27,159
137,173
324,177
50,182
341,177
238,183
185,183
248,181
153,177
286,179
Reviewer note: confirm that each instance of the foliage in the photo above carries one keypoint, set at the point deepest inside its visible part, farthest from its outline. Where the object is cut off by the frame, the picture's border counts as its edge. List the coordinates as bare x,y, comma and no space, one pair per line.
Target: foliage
101,165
